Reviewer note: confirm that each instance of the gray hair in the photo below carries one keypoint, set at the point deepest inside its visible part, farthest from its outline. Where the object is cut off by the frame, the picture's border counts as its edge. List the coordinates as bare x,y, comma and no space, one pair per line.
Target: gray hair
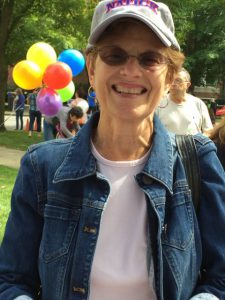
187,74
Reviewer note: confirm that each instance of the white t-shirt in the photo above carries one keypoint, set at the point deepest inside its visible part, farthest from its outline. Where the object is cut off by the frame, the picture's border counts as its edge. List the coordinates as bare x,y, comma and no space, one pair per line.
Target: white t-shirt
189,117
119,269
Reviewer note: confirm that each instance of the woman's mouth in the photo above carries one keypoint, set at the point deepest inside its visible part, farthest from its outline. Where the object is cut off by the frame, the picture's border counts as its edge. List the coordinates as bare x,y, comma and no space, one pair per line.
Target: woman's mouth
129,90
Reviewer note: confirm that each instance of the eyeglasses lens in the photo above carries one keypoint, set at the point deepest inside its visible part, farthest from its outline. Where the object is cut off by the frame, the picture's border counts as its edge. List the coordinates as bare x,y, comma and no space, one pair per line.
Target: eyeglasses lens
113,56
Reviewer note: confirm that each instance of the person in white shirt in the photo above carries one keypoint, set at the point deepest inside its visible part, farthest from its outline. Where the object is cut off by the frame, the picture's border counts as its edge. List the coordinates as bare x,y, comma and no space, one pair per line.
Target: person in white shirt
181,112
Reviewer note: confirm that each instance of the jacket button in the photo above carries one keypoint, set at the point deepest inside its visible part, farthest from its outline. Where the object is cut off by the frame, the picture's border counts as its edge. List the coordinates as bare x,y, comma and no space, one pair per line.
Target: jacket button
79,290
89,229
147,180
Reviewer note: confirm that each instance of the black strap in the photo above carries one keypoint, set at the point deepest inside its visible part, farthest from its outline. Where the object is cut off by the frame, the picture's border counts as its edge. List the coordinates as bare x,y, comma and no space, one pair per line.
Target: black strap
188,153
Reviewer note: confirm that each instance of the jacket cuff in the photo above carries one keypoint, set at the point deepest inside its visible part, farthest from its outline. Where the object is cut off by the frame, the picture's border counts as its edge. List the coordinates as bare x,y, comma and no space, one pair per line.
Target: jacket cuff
23,297
204,296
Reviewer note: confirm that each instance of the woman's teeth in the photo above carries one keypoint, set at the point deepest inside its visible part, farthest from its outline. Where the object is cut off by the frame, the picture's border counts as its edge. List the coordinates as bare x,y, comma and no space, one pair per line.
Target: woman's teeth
126,90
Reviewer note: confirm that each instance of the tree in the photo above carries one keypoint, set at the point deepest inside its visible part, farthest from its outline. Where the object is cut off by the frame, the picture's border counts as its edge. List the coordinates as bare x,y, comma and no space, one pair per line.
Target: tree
22,23
208,50
8,22
200,31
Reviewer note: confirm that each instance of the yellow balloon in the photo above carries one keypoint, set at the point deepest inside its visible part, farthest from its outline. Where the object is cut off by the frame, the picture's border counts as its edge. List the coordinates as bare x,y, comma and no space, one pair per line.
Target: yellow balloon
27,75
42,54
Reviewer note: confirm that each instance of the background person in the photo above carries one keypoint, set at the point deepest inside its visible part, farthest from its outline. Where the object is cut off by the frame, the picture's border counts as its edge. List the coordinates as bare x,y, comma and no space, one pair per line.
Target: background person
10,99
49,127
34,113
181,112
212,110
72,123
80,97
62,117
19,104
57,126
91,98
108,214
217,134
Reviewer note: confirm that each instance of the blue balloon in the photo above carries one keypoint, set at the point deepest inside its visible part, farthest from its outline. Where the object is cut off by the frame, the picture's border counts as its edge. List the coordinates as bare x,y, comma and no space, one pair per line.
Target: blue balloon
74,59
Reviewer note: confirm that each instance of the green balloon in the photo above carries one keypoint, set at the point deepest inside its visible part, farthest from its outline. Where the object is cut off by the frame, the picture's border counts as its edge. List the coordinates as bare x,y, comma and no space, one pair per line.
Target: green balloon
67,92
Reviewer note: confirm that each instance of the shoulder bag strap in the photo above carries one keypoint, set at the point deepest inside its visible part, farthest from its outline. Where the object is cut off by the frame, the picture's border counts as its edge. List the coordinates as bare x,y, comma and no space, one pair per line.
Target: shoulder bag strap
188,153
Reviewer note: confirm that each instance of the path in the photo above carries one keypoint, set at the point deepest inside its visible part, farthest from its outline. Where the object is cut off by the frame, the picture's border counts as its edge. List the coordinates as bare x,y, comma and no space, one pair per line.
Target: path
10,157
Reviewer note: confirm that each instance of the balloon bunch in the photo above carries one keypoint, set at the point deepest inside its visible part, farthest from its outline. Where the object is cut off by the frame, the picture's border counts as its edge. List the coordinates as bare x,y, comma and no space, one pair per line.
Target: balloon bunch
42,69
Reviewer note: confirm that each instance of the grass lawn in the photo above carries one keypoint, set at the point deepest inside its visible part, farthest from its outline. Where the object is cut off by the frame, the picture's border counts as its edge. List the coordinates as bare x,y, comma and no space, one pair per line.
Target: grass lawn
7,179
18,139
14,140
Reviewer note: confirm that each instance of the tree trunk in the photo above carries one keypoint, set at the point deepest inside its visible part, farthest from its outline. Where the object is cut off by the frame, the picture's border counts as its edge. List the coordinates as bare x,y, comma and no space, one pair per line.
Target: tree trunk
3,89
6,10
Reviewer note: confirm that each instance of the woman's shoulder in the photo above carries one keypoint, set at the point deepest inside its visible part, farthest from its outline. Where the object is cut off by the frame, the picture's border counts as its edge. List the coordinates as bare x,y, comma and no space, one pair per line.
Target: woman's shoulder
49,152
50,146
203,146
202,141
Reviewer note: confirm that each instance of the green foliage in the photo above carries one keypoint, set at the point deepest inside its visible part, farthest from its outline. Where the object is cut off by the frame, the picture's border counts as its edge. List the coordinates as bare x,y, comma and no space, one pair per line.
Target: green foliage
62,24
182,12
200,30
207,39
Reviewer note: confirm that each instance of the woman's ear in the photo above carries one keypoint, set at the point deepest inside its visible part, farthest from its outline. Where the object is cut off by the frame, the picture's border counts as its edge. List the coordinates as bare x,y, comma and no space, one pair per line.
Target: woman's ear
90,69
188,84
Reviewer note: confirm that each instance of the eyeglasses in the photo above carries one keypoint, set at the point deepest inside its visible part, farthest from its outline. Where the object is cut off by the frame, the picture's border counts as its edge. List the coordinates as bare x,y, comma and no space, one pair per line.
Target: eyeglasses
179,81
116,56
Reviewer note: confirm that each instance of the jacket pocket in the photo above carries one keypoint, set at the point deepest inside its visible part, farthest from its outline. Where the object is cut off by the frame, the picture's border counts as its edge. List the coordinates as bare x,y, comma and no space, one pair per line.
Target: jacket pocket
178,239
178,229
59,227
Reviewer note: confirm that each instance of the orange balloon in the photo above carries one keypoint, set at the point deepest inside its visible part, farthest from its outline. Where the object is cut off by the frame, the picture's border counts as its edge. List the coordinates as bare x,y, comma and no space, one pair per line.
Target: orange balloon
57,75
27,75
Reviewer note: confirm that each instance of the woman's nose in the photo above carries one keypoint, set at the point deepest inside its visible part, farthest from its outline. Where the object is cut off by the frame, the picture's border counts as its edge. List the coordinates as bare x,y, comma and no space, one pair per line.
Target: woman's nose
131,67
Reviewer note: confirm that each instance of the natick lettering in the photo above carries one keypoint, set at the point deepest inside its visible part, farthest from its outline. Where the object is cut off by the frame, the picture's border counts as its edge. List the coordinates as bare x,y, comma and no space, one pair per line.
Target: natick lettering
116,3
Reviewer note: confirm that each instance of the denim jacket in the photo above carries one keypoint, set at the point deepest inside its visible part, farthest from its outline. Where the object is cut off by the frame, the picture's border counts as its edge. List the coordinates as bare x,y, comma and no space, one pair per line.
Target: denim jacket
57,203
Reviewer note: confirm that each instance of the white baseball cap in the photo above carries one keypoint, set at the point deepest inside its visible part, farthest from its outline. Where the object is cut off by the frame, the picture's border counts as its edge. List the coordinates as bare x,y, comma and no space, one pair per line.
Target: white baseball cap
155,15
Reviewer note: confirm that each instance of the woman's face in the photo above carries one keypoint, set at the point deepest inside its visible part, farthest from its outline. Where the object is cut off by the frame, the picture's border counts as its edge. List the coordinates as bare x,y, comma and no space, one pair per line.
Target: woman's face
129,91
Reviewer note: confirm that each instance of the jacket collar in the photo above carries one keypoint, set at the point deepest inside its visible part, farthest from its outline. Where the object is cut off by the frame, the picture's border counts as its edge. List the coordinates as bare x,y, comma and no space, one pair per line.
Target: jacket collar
79,161
160,163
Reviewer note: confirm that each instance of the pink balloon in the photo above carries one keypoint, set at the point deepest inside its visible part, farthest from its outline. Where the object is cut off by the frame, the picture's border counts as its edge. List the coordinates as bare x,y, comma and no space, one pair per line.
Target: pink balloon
48,102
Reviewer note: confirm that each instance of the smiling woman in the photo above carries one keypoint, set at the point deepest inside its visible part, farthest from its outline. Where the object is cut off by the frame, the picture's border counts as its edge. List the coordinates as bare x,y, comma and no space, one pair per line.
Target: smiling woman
108,214
134,80
141,66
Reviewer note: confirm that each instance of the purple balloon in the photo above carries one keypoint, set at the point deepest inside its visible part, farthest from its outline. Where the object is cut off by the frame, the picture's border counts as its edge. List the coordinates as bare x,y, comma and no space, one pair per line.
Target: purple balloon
48,102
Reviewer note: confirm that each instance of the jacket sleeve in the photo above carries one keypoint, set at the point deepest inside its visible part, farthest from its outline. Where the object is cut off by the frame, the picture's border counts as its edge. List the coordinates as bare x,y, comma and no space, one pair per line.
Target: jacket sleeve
20,245
23,298
202,296
211,219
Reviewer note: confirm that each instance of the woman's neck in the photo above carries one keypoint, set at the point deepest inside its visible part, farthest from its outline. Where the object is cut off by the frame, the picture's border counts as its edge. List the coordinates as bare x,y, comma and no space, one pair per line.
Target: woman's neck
118,142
